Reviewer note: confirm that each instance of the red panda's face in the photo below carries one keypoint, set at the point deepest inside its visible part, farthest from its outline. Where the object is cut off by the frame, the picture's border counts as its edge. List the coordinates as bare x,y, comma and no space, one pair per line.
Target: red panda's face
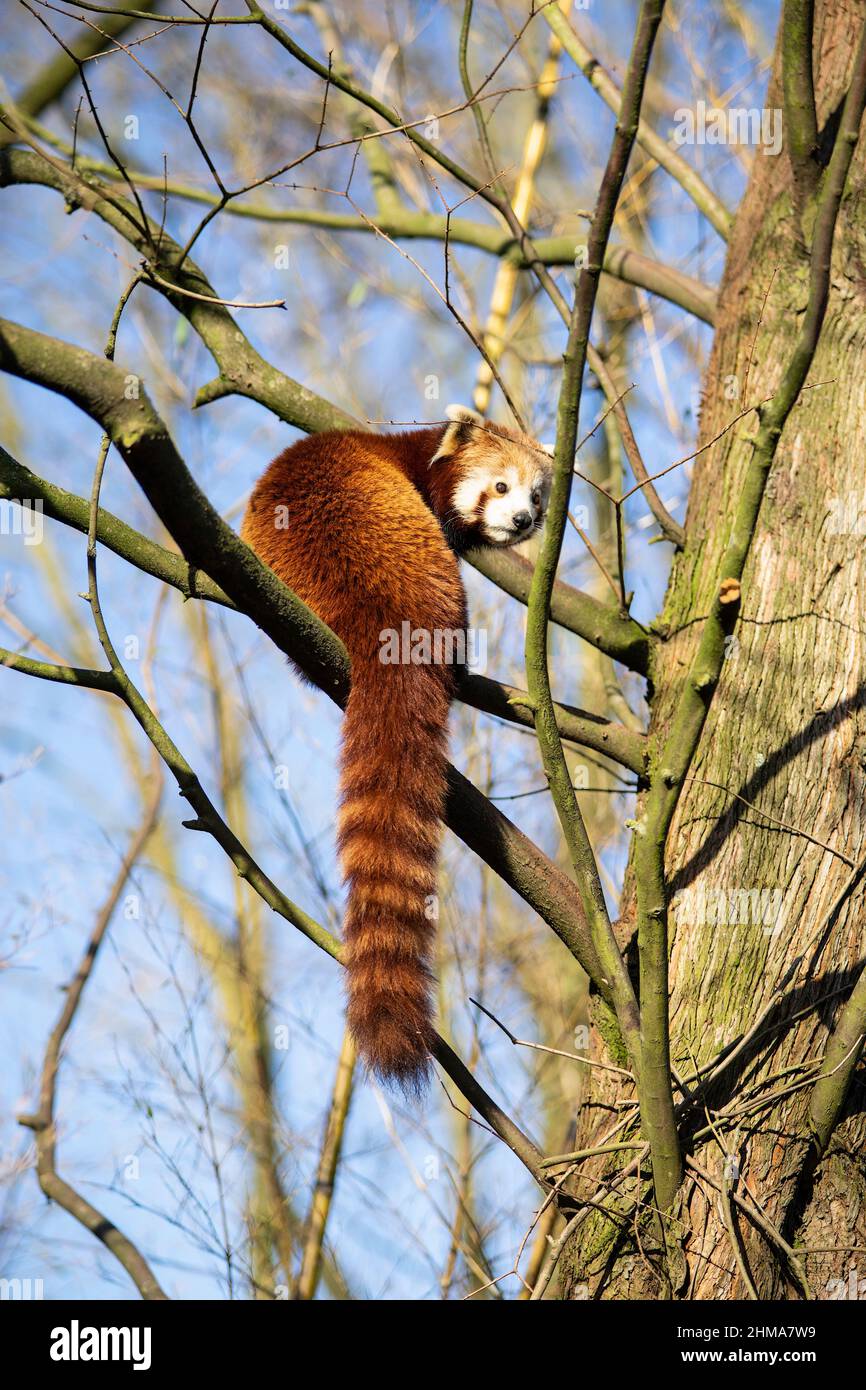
502,478
504,500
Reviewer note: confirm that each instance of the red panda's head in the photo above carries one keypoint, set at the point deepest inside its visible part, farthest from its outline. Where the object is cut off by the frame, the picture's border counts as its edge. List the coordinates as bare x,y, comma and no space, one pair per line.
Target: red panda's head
498,481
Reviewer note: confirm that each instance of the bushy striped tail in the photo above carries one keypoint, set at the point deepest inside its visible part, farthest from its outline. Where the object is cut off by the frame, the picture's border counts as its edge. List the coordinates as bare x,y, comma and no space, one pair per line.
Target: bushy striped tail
393,794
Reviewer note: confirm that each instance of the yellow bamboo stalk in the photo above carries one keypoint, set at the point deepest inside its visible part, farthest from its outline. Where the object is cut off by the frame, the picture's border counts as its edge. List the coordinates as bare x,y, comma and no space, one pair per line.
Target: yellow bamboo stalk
507,275
540,1247
329,1159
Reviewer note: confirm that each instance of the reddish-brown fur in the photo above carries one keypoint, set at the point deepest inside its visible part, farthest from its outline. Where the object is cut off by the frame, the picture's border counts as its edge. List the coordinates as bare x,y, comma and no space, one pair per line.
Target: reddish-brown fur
366,553
371,543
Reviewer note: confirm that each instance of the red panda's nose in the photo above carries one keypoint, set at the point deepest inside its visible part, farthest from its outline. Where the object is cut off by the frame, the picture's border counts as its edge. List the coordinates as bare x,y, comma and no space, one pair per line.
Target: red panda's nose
522,520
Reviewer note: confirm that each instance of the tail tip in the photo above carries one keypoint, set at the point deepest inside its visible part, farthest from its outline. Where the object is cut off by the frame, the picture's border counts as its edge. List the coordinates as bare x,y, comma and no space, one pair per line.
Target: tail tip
393,1053
410,1076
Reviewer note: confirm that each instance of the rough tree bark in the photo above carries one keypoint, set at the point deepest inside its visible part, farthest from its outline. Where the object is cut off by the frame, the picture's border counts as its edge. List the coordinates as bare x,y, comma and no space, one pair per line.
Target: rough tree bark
786,734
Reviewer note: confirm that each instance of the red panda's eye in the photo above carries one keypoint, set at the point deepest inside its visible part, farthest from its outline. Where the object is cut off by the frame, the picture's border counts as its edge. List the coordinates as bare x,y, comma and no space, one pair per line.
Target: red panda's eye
501,488
536,498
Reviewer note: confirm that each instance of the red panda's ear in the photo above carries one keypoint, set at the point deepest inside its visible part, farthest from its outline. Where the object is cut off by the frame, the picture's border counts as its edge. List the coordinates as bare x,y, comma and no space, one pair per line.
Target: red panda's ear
463,421
463,414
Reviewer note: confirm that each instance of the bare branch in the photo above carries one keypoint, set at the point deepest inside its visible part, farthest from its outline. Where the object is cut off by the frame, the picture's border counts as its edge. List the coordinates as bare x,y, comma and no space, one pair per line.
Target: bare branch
43,1121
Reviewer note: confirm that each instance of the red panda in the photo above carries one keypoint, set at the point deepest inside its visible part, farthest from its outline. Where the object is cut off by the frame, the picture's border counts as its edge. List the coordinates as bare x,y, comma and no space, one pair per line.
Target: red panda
367,530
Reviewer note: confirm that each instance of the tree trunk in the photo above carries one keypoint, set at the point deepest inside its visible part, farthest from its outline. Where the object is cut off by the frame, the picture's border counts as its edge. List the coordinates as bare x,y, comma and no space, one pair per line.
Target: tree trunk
768,907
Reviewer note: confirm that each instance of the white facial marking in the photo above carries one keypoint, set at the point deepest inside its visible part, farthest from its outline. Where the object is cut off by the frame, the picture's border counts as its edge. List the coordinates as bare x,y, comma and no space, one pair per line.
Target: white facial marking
467,495
509,516
501,509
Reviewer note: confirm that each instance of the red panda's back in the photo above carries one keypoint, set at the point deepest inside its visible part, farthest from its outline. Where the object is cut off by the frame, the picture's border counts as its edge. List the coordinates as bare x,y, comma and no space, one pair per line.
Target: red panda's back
338,520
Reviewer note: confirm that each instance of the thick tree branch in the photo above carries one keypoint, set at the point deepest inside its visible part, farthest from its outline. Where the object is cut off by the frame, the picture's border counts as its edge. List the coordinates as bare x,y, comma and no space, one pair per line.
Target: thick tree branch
841,1058
577,726
604,627
798,94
